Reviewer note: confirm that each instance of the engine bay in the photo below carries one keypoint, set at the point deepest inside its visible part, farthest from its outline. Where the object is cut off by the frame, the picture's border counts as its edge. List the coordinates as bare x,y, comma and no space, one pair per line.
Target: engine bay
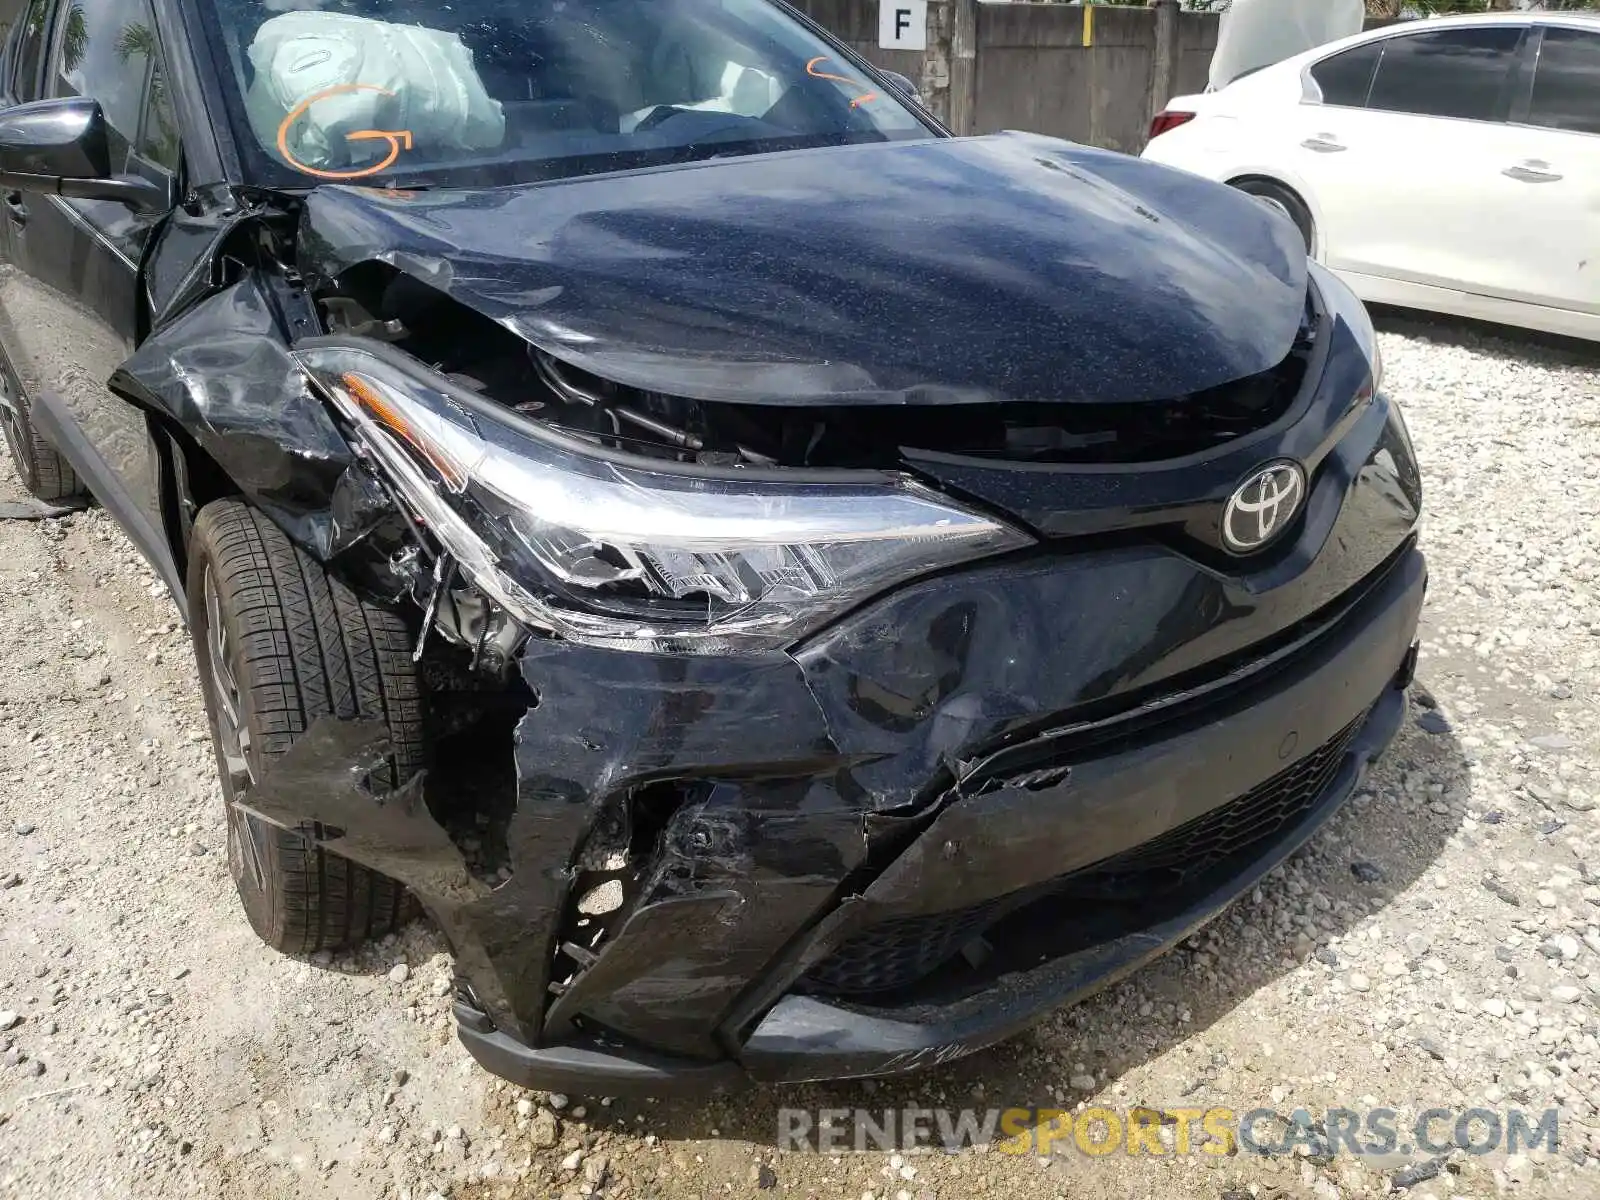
375,300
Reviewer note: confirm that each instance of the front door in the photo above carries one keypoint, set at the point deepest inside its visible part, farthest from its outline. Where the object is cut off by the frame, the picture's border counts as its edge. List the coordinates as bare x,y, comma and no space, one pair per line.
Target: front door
1398,159
71,302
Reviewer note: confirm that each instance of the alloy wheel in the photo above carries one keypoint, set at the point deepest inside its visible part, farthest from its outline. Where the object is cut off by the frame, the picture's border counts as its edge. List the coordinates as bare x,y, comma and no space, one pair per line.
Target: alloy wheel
10,414
233,739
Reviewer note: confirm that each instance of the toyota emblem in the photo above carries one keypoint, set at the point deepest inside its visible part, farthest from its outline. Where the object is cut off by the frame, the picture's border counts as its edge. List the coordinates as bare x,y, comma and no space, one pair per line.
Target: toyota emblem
1263,506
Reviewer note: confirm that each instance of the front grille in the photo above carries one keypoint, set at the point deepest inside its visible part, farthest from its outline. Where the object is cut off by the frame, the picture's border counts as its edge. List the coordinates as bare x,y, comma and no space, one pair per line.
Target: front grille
897,953
1191,850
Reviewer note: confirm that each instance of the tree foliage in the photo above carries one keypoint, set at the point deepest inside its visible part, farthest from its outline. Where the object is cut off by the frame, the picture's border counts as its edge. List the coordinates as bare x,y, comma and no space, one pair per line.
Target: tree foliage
1431,8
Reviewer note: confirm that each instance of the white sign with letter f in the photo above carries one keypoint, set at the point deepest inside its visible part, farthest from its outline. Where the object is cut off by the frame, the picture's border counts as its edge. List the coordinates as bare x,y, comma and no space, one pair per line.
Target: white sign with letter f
902,24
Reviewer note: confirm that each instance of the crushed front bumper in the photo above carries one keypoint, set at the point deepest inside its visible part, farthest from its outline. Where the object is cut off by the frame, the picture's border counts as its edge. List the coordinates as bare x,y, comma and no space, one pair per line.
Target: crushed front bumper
1120,730
804,1038
1083,850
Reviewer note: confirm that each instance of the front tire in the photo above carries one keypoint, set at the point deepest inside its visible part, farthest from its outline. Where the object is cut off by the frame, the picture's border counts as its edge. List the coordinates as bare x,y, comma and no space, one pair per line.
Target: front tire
280,643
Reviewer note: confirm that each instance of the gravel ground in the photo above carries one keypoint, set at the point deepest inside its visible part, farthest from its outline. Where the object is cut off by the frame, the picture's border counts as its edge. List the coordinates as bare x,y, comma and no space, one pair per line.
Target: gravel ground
1437,945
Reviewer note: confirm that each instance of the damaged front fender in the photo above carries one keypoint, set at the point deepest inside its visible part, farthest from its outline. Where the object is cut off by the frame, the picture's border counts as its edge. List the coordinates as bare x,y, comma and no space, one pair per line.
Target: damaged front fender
318,788
222,374
605,725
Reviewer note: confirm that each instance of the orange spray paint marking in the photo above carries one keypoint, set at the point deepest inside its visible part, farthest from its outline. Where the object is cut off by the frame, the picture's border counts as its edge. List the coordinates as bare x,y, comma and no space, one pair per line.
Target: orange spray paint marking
858,101
398,139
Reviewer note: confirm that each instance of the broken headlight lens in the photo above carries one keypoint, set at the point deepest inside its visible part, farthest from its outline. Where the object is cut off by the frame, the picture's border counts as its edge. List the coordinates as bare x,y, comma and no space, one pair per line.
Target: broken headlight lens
624,552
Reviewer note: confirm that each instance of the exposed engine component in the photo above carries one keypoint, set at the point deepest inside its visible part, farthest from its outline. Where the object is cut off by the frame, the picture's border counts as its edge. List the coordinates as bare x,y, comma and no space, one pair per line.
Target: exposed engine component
346,315
457,611
554,375
491,360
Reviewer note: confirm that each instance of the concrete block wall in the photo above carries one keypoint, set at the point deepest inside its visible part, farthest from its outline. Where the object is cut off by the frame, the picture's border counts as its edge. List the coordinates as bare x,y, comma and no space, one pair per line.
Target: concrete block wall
1087,73
1078,72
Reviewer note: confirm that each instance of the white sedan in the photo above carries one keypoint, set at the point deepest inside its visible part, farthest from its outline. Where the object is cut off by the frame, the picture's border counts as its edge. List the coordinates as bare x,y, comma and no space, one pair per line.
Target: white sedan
1451,165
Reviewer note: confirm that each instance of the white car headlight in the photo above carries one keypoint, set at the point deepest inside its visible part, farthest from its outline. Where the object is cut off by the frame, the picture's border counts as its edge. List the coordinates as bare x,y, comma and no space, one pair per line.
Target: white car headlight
623,551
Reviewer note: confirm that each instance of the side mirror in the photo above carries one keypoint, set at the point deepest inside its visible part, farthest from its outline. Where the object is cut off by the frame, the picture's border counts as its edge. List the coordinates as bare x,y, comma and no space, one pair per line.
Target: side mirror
904,86
61,146
65,138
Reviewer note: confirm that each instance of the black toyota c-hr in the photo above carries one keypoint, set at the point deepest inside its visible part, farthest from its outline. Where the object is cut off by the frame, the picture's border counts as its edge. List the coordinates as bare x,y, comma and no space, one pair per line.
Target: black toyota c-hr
792,594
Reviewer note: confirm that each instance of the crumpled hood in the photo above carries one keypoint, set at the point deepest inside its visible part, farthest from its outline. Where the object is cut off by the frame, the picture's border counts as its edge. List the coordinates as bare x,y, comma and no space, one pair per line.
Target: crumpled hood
947,271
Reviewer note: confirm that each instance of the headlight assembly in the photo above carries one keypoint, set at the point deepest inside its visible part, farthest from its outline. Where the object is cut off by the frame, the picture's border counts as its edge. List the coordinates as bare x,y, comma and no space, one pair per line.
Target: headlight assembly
621,551
1342,302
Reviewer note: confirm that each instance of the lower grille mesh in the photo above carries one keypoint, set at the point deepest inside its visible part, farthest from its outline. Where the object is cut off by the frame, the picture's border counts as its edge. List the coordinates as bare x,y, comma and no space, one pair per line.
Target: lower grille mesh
897,953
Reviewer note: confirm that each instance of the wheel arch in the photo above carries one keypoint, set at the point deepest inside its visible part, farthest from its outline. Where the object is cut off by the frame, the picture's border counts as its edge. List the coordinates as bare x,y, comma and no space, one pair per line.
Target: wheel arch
188,480
1287,182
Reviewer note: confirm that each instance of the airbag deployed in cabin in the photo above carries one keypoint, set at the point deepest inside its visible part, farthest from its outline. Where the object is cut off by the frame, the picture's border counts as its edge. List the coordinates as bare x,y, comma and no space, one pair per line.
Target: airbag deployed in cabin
349,74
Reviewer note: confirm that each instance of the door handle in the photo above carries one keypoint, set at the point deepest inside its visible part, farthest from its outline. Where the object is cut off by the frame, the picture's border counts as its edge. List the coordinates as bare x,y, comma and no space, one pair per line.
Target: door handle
1532,170
15,208
1324,143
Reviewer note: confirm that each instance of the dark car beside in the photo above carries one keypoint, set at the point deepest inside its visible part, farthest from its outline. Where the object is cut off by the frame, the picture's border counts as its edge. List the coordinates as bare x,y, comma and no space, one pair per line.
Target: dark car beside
792,594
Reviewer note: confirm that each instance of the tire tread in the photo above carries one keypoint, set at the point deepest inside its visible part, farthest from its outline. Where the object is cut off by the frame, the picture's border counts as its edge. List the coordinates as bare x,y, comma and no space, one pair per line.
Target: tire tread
42,468
310,647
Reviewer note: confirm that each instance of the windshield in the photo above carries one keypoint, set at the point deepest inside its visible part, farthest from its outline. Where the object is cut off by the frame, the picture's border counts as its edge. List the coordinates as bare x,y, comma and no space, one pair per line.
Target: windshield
480,92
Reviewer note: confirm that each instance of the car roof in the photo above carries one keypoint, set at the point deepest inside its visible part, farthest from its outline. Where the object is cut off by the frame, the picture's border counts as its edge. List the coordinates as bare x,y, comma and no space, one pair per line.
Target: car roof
1459,20
1589,20
1541,16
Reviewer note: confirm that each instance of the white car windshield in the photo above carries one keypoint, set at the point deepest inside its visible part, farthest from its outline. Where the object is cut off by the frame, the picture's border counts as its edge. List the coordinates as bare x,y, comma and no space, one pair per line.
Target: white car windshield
480,92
